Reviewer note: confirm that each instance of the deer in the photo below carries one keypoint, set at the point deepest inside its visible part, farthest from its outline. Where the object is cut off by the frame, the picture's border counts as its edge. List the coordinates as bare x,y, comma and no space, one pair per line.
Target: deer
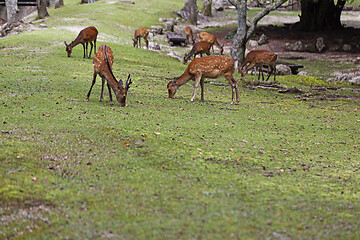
212,66
204,36
189,34
138,34
198,48
265,58
249,57
86,36
103,62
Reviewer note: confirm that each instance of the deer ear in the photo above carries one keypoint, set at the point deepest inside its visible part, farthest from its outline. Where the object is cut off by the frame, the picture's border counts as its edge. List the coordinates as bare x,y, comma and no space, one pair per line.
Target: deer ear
65,43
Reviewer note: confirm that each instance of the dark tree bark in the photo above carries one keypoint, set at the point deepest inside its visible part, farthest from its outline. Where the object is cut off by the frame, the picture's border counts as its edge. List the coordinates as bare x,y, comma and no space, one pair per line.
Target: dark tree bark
59,3
320,15
243,34
42,11
191,7
12,11
206,8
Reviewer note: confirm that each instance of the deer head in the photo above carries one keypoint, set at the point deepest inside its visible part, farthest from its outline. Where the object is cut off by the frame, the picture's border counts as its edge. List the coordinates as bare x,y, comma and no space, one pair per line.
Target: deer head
134,42
68,49
172,88
121,92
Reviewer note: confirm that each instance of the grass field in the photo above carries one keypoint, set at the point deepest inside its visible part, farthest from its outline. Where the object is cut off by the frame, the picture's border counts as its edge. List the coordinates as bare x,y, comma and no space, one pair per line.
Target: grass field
276,166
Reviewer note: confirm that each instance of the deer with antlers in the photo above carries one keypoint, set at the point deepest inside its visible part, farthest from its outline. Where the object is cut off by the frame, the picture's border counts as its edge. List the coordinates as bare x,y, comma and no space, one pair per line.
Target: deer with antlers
86,36
103,61
198,48
212,66
261,59
189,35
138,34
204,36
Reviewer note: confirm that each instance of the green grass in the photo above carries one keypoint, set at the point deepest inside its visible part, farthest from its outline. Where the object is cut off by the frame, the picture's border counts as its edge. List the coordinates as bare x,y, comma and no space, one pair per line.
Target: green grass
273,167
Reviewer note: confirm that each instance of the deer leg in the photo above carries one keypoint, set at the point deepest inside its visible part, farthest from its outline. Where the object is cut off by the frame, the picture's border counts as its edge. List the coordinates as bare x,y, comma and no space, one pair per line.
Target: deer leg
202,88
102,89
91,47
94,46
87,44
110,95
83,49
92,84
147,43
234,88
197,80
139,42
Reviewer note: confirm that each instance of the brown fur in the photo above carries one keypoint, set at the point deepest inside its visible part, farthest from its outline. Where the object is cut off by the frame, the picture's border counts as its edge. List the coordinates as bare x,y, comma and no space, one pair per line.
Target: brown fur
86,36
103,61
212,66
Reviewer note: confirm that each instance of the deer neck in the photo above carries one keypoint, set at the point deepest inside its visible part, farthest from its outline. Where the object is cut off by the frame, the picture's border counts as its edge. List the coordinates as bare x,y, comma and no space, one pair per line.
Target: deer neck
184,78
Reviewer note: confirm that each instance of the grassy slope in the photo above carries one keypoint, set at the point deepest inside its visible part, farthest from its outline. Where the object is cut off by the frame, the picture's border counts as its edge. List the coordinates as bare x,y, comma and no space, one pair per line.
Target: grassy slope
271,167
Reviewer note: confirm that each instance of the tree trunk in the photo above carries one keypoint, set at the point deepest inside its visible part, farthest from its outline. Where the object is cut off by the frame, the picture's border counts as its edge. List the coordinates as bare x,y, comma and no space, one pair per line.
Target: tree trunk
59,3
12,11
42,11
206,8
243,34
191,7
320,15
239,42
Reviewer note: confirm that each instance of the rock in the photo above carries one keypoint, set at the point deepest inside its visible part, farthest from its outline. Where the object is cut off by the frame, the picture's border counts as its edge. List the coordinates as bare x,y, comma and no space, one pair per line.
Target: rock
263,40
157,29
43,25
252,43
320,45
355,81
297,46
346,47
282,69
218,5
303,73
334,47
169,26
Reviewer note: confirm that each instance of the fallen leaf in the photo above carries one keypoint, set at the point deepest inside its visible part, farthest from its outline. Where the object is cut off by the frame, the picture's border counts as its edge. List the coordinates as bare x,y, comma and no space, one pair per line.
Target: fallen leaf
157,133
34,179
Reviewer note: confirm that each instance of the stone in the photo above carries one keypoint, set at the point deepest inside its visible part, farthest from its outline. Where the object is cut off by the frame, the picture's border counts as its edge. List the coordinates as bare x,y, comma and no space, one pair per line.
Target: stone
346,47
355,81
282,69
303,73
320,45
157,29
252,43
263,40
297,46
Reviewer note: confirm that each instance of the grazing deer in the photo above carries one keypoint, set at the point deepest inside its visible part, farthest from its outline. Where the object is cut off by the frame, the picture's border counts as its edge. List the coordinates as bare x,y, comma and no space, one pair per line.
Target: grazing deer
198,48
265,58
249,58
103,61
189,34
138,34
86,36
204,36
206,67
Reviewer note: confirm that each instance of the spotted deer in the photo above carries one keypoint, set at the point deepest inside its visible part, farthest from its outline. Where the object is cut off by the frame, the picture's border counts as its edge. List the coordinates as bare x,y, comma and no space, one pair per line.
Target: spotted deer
265,58
212,66
138,34
103,62
189,35
86,36
249,58
204,36
198,48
